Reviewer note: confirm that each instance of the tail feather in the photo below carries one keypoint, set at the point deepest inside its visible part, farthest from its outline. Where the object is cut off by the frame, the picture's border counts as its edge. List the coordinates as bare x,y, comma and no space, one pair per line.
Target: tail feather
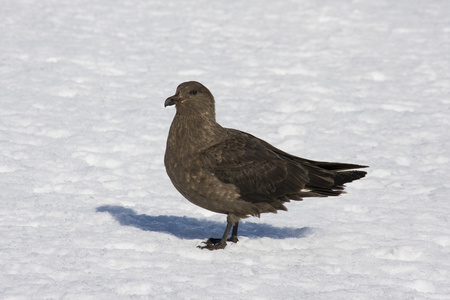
348,176
334,166
325,178
326,181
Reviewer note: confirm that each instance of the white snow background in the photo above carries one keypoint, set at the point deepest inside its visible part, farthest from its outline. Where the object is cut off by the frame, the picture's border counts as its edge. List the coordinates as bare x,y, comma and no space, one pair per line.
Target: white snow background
88,212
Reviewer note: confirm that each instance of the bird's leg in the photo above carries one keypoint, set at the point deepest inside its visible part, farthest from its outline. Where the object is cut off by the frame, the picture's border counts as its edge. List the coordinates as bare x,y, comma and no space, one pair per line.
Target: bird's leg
214,244
234,237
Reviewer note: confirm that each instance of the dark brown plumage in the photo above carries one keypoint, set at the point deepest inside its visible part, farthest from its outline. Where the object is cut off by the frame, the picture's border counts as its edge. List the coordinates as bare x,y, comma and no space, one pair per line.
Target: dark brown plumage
232,172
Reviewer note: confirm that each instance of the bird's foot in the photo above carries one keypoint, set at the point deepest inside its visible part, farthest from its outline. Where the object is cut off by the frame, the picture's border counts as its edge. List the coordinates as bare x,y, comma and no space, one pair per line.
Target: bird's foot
213,244
233,239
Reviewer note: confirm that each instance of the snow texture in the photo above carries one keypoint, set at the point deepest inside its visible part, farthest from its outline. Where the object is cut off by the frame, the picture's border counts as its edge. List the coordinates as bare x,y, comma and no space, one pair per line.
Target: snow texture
88,212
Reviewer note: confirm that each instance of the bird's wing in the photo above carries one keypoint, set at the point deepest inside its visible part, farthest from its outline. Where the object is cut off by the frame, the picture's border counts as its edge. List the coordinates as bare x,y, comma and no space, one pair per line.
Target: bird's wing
254,168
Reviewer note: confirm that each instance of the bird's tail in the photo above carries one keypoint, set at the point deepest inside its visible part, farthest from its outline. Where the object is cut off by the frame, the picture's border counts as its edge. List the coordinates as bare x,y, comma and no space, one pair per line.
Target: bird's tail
329,178
348,176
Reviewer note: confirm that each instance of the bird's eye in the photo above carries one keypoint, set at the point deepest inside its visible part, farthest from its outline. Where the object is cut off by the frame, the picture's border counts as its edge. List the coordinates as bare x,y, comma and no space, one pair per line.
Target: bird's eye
194,92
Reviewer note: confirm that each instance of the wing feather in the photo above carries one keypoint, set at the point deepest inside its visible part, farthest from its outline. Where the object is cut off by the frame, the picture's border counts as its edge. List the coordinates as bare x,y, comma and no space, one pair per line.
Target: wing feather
256,170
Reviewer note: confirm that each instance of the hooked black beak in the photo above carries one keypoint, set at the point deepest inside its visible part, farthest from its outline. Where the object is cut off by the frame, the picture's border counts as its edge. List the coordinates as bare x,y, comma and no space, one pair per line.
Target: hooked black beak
172,100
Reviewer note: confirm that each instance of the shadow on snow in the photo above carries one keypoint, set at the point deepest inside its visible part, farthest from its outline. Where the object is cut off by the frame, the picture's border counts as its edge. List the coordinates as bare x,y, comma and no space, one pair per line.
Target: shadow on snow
191,228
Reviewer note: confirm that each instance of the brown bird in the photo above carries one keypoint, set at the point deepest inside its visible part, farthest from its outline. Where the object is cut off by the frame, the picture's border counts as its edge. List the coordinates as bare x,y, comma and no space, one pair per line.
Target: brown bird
235,173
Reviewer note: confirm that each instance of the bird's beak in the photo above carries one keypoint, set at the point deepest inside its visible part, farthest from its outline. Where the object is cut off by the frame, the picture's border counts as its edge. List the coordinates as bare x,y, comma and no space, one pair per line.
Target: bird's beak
172,100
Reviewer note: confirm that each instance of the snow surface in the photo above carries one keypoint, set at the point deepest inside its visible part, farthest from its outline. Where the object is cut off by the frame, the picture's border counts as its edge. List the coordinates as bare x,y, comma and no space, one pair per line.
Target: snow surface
88,212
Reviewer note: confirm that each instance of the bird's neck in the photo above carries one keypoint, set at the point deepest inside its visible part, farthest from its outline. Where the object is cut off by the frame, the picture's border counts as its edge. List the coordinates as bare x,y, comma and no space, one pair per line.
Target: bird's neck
194,128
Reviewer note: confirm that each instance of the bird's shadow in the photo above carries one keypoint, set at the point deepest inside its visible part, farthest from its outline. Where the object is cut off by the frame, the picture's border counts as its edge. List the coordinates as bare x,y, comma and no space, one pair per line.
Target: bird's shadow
191,228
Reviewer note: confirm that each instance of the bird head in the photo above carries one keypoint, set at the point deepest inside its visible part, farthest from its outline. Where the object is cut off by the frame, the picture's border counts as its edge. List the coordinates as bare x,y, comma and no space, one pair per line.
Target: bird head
190,92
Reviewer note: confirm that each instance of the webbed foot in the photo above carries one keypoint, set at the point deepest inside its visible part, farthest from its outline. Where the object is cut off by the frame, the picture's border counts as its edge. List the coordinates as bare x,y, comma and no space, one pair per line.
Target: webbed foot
213,244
